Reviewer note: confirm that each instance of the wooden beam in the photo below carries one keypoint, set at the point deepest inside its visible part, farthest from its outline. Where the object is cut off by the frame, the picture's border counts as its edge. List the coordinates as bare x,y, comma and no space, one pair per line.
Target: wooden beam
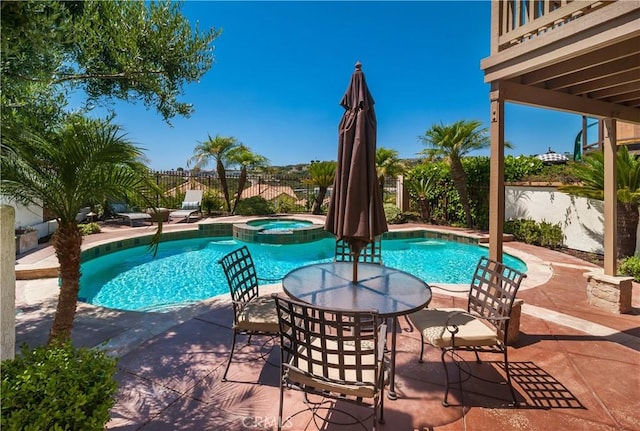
610,198
496,176
586,61
616,80
588,74
614,91
539,97
627,97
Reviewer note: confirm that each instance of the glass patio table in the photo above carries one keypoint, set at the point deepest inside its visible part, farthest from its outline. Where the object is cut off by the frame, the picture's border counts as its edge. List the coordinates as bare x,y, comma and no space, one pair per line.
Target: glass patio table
390,291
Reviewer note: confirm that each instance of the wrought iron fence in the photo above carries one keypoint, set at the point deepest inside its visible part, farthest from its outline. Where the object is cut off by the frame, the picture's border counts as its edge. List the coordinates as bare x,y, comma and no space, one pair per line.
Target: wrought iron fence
293,194
287,193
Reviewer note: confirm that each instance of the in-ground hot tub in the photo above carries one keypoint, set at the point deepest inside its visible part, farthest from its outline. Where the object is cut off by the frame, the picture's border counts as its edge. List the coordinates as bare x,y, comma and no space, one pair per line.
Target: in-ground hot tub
280,225
279,231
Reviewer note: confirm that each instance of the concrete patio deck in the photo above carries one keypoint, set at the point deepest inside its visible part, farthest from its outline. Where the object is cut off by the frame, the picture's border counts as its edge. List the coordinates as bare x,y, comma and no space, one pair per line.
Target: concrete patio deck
576,367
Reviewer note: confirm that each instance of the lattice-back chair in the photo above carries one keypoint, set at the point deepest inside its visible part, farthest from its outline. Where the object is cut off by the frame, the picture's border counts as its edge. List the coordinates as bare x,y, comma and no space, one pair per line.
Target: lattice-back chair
252,314
333,354
483,326
371,253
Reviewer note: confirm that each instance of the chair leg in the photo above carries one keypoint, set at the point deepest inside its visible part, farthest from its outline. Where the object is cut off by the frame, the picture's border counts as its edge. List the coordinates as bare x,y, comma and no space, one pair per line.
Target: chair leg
280,409
508,373
233,346
381,420
375,416
446,379
421,347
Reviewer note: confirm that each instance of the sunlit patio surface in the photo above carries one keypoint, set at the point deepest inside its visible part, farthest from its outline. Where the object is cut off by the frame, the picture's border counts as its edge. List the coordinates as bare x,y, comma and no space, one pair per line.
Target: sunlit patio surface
575,366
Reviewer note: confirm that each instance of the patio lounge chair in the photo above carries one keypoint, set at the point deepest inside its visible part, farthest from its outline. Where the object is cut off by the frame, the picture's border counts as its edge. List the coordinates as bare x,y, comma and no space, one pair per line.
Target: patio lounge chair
334,354
252,314
191,207
482,327
123,211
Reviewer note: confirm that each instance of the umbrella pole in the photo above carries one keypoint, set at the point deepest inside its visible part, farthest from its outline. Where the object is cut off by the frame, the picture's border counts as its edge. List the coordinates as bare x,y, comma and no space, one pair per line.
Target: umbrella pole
356,256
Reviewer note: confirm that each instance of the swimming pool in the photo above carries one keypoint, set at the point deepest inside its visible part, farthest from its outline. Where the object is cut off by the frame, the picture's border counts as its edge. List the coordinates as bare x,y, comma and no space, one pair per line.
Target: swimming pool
187,271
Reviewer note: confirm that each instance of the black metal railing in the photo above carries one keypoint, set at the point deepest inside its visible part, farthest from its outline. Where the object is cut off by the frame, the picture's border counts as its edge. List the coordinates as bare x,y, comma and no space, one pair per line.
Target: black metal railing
287,193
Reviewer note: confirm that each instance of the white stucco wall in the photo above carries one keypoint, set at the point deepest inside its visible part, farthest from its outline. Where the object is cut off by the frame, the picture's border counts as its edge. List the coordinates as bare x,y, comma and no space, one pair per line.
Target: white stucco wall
30,216
25,216
581,219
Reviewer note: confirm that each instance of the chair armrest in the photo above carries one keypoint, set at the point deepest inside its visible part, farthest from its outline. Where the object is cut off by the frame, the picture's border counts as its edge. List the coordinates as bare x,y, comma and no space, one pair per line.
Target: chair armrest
288,366
453,328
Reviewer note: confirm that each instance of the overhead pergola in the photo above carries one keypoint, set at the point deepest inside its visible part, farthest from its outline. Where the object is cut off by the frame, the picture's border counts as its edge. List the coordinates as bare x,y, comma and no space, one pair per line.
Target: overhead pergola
581,57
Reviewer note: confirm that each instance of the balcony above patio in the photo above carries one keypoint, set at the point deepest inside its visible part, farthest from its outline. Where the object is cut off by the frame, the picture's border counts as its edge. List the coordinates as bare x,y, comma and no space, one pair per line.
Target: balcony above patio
575,56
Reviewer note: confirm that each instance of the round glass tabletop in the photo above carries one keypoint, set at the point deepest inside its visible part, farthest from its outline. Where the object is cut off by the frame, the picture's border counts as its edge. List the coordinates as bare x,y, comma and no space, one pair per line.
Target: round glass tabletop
389,291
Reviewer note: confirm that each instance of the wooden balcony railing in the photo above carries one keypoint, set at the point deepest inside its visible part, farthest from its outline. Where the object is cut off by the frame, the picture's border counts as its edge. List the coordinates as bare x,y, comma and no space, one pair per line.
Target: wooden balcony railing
517,21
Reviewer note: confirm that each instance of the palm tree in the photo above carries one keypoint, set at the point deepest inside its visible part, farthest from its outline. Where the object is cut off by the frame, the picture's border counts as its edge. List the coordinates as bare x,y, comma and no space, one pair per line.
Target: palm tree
243,156
388,165
452,143
591,175
420,189
218,149
84,162
321,174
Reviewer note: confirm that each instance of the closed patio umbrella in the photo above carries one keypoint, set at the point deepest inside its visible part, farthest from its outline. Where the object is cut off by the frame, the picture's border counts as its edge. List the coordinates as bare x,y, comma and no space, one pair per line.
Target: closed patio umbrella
356,214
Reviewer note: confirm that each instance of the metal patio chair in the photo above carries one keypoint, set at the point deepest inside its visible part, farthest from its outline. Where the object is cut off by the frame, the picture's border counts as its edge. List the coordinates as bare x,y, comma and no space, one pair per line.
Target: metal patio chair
338,355
372,253
252,314
481,328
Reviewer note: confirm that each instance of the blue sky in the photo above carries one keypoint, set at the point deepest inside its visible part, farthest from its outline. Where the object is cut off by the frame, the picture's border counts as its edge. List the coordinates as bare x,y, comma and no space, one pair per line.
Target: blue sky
281,68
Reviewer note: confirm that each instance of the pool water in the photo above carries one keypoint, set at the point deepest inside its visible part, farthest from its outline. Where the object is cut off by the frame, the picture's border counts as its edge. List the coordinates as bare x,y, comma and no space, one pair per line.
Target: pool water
187,271
280,225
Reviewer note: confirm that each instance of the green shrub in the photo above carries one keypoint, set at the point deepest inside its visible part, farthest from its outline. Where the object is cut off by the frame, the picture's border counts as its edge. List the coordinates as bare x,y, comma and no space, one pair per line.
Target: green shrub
630,266
57,388
212,202
519,168
443,199
255,205
528,231
285,204
174,201
393,214
551,235
89,228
